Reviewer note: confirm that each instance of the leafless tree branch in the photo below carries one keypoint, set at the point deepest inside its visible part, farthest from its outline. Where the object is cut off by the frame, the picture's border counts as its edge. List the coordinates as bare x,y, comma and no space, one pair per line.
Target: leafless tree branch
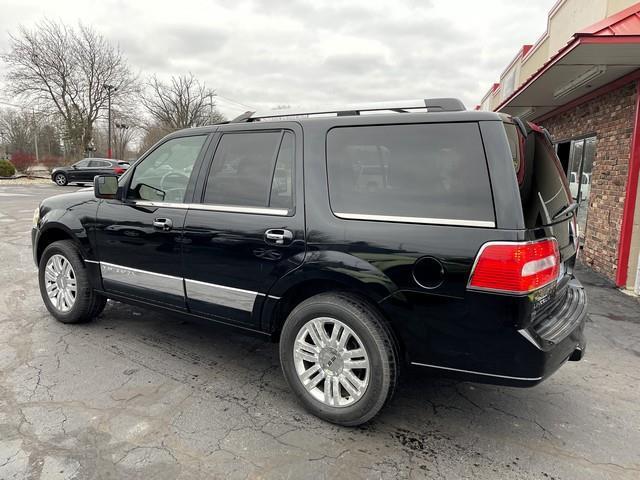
182,102
65,70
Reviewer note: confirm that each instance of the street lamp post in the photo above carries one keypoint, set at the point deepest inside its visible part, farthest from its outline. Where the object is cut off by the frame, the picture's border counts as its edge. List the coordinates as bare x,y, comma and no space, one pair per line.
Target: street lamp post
120,143
110,89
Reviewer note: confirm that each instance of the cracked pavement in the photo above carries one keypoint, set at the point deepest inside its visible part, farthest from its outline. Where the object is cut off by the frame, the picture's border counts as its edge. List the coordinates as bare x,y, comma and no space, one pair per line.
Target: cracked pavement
142,394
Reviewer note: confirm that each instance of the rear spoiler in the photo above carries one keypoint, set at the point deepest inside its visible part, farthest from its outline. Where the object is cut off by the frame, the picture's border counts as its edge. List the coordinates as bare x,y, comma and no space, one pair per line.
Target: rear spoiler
527,127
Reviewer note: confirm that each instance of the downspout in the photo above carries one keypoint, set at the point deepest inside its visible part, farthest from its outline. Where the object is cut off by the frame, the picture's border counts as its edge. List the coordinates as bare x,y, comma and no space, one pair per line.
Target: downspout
626,231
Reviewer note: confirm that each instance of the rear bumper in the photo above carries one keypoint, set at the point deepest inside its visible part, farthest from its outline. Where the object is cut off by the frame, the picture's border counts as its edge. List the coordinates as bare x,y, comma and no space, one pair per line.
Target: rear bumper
527,356
559,336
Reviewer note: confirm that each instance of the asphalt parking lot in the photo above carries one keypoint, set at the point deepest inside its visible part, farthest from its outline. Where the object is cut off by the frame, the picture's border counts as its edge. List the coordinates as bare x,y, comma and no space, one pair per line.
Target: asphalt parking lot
138,394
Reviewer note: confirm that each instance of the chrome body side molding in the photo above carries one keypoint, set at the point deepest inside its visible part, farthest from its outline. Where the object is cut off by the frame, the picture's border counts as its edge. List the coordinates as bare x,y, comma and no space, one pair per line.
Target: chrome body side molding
280,212
142,278
422,220
220,295
184,287
526,379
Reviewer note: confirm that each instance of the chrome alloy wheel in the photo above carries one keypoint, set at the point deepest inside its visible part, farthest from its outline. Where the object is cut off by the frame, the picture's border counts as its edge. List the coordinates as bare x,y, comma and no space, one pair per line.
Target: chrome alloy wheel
60,282
60,179
331,362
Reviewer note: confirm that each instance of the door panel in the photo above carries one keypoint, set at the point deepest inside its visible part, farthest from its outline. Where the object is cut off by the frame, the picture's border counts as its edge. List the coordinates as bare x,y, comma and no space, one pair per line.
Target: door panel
139,239
76,174
229,266
135,257
104,168
230,261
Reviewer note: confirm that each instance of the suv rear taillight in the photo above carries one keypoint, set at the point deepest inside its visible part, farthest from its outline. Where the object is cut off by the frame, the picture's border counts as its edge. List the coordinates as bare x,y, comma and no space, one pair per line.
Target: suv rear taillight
118,170
515,267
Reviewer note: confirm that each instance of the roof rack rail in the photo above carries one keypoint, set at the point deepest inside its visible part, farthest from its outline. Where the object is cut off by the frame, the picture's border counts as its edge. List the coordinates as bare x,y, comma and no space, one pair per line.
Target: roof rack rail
430,104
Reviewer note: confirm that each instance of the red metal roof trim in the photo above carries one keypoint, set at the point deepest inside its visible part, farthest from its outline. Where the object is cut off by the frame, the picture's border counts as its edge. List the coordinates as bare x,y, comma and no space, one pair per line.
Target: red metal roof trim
627,21
559,54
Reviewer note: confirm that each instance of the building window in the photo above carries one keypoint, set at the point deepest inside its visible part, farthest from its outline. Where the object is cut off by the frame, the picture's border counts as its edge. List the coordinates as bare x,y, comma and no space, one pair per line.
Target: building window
509,84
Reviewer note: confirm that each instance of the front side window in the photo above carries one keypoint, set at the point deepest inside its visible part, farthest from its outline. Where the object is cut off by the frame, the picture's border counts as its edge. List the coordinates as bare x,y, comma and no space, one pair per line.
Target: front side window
429,172
82,164
164,174
252,169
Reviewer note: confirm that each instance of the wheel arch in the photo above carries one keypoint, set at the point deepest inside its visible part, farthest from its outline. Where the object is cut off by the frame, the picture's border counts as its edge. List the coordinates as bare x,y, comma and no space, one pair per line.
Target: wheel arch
53,232
307,282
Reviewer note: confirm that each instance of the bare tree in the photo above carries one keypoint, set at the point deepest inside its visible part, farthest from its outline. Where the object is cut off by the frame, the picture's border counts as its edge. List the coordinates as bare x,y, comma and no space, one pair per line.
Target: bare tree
23,131
152,134
18,128
182,102
65,70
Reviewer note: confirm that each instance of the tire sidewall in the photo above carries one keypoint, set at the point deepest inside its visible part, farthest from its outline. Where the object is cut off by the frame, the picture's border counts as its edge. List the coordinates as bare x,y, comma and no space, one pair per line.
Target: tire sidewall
379,372
84,291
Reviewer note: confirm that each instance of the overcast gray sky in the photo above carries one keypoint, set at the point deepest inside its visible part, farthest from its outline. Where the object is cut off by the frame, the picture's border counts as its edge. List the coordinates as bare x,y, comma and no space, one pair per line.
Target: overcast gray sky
308,52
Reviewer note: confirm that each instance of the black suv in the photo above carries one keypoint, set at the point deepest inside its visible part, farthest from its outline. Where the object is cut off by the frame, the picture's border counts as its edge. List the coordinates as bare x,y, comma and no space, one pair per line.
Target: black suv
86,169
440,238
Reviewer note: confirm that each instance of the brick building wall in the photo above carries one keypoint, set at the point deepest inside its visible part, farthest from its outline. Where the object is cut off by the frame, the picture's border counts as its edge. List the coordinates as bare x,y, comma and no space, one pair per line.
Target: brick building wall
610,117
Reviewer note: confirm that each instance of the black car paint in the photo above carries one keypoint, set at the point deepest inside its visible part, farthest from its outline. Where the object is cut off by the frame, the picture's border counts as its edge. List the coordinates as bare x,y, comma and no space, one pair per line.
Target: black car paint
471,334
75,174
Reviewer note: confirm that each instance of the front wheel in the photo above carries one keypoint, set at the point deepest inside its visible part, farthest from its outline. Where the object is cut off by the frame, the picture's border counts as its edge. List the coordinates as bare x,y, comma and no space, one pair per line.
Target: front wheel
338,357
60,179
64,284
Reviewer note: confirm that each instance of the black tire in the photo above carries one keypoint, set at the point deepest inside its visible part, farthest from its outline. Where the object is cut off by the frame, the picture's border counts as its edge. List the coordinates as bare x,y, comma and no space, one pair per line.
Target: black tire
87,303
60,179
371,328
99,304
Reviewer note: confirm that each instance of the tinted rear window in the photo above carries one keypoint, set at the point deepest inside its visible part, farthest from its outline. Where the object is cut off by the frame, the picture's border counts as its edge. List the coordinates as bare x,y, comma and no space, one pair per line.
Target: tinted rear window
542,183
430,171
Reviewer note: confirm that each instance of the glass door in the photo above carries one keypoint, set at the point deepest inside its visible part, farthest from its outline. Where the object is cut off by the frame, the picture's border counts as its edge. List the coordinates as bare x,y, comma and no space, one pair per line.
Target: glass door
579,170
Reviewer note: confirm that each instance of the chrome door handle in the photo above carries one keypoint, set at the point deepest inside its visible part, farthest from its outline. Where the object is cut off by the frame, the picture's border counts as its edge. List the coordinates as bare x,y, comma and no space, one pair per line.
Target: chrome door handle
164,224
278,236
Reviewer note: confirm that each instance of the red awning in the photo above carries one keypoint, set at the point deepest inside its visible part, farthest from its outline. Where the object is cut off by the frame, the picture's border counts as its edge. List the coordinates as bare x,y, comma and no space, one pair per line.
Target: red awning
594,57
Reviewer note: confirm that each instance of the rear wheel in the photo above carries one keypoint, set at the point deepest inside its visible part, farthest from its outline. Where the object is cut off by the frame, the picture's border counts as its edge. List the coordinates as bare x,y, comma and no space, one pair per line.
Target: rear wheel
338,357
60,179
64,284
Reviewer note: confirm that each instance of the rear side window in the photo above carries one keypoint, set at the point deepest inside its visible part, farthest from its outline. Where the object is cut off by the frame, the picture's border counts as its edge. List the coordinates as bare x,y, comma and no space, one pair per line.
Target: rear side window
99,164
431,173
252,169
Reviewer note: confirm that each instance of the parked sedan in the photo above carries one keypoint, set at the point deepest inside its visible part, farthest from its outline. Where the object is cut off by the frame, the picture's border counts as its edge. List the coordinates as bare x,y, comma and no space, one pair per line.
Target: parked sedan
87,168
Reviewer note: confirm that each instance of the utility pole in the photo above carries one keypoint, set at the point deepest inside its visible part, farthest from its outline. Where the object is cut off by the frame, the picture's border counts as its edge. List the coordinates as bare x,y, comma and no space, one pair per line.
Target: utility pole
110,88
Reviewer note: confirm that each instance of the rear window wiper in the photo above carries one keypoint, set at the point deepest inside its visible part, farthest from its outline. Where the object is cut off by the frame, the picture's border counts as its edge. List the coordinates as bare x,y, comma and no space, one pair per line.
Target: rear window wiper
566,210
